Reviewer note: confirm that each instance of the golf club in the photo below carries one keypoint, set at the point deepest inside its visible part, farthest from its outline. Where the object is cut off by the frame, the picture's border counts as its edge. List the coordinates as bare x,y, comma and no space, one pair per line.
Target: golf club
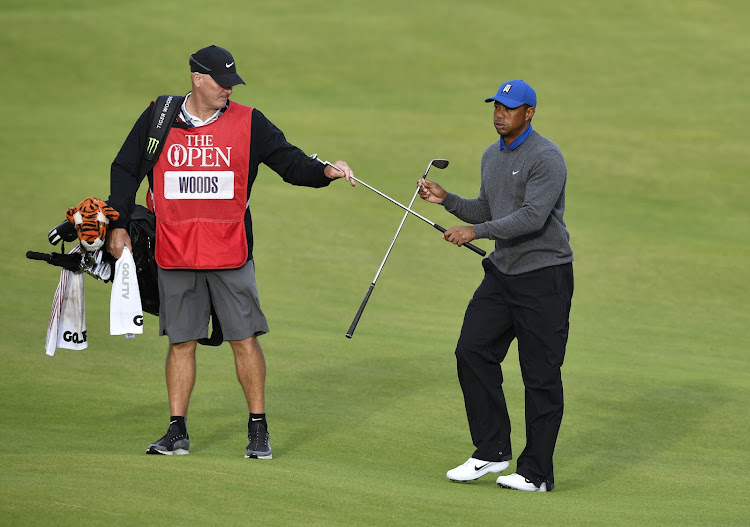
474,248
71,262
438,163
314,157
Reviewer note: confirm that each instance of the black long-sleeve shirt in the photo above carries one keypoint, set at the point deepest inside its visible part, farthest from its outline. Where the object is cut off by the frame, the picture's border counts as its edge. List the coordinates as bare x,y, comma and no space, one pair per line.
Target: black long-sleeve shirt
267,145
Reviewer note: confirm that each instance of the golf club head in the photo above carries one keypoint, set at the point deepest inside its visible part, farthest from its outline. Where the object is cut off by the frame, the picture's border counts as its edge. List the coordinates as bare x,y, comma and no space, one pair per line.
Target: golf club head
437,163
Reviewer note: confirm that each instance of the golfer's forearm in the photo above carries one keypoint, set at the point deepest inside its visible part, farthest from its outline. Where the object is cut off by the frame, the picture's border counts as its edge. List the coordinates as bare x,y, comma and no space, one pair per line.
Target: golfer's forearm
521,223
469,210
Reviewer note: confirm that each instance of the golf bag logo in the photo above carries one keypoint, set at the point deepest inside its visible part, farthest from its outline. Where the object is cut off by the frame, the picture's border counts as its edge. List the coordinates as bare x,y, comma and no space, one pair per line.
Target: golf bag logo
153,144
164,112
507,87
74,337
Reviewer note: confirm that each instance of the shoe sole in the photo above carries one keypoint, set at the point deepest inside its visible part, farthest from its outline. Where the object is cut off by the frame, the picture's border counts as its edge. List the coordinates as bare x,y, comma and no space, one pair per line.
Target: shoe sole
478,474
523,490
256,456
178,452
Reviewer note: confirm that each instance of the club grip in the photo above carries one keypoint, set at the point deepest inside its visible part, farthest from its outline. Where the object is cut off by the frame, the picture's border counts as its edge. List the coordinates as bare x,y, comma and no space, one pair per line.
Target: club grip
350,333
33,255
473,247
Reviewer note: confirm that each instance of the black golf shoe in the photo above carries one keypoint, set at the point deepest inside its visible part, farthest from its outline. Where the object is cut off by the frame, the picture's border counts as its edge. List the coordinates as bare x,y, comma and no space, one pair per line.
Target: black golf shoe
260,441
173,443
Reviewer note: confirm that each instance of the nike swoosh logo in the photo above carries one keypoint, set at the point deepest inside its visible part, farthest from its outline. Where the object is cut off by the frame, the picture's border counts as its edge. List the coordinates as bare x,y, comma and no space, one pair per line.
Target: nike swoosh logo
258,419
516,172
480,468
229,65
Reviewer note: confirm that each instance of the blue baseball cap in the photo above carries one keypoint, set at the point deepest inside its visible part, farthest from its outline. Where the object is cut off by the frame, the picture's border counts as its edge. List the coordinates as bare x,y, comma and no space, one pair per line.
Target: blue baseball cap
514,93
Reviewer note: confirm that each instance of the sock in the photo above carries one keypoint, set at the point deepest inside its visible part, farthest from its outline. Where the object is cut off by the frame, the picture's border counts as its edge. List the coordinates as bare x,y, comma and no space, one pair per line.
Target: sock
179,420
257,417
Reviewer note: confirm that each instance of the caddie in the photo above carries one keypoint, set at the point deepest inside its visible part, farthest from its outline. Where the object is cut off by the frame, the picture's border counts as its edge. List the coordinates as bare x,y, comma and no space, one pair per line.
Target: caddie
200,186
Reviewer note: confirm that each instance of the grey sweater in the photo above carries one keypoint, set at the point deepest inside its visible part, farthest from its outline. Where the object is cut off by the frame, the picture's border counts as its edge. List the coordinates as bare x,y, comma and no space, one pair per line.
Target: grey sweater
520,205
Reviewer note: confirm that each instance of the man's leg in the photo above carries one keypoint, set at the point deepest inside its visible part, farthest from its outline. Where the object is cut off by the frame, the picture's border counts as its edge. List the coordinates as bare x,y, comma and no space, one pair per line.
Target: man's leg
180,373
251,372
542,312
486,334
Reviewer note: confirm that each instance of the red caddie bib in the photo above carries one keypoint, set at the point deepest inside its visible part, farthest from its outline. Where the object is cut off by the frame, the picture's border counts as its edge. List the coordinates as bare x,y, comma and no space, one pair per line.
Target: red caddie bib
200,194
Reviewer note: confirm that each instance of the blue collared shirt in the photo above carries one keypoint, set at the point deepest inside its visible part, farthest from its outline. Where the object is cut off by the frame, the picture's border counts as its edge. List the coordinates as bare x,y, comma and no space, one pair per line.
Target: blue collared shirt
520,139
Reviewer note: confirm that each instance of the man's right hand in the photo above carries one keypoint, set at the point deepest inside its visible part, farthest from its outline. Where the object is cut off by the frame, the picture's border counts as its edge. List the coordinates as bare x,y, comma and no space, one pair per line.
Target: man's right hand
116,240
431,191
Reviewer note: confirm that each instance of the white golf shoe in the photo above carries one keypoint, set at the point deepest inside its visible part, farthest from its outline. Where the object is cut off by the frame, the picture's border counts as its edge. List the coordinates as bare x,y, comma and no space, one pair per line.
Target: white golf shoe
475,468
518,482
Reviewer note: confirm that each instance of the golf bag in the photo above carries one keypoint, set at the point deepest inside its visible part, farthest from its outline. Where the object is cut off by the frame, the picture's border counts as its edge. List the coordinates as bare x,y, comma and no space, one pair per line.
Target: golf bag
141,228
142,231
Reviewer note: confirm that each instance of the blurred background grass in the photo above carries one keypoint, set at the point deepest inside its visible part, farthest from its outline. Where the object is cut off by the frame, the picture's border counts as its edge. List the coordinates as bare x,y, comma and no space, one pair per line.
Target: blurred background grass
646,100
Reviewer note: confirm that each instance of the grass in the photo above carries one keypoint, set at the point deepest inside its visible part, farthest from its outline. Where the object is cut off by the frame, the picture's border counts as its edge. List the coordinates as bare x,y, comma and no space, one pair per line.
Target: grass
646,100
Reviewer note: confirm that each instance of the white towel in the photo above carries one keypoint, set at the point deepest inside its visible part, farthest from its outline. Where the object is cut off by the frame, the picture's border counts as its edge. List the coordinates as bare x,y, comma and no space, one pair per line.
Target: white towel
67,320
125,311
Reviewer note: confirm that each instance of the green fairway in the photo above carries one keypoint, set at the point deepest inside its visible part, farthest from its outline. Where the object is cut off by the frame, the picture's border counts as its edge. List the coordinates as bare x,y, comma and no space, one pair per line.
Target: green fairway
647,101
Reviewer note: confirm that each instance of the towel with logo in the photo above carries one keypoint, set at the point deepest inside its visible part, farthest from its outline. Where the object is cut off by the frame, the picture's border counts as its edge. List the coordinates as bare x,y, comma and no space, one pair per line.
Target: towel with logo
125,311
67,320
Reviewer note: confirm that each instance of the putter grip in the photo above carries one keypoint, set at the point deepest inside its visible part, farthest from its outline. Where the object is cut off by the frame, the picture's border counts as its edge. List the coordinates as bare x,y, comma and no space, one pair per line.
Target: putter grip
33,255
350,333
480,252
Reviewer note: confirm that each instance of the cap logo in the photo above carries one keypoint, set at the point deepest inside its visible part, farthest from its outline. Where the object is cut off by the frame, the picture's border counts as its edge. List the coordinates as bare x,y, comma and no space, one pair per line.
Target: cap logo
229,65
507,87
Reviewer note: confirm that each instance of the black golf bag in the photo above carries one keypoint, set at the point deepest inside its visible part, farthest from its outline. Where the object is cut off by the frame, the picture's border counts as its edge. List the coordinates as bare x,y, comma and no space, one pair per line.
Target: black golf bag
142,231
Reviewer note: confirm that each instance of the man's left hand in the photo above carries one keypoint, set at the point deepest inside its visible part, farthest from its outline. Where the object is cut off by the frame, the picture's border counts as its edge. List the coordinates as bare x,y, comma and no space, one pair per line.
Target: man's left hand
344,171
460,235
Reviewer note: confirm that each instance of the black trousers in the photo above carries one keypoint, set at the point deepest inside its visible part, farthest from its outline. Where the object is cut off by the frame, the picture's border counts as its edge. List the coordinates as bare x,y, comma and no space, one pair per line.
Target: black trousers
534,308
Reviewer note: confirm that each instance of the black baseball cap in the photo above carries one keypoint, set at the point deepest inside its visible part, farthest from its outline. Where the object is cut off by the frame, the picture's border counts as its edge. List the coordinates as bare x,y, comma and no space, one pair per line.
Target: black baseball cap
218,63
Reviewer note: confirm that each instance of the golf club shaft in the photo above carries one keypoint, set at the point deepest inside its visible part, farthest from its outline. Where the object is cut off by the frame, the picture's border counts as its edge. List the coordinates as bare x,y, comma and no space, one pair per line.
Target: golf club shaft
474,248
350,333
361,309
398,231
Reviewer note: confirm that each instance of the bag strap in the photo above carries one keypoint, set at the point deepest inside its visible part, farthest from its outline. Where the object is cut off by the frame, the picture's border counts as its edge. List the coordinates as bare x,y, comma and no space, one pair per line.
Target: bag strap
165,110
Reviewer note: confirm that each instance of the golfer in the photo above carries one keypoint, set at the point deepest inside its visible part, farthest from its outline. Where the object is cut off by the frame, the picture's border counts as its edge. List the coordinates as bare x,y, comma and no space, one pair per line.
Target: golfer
204,240
525,294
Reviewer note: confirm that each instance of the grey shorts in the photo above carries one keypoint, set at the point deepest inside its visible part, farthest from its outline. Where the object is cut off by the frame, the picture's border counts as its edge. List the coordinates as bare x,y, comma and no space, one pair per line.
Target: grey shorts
185,298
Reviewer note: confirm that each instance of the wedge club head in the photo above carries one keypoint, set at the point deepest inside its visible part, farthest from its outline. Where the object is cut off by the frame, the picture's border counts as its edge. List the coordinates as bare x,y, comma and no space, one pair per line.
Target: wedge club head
437,163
